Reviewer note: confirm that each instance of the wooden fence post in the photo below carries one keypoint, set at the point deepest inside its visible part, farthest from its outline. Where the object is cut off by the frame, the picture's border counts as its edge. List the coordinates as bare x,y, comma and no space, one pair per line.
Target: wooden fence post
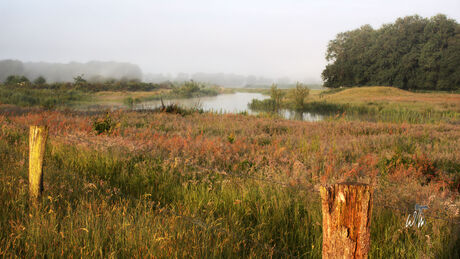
37,143
347,209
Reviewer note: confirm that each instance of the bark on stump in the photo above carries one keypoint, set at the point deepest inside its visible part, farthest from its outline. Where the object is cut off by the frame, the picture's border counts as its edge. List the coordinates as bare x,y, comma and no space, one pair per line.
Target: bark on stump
37,143
347,209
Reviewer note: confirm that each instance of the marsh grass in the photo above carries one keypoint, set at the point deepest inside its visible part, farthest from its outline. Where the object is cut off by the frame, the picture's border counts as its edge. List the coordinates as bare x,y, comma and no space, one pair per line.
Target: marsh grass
381,113
175,186
376,104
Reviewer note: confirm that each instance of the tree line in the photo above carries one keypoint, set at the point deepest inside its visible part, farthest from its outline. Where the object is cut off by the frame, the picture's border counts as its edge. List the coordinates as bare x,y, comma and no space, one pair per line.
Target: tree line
94,71
413,53
81,84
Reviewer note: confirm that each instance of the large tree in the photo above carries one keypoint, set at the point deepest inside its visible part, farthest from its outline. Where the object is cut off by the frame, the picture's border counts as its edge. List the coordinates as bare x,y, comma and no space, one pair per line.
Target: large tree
411,53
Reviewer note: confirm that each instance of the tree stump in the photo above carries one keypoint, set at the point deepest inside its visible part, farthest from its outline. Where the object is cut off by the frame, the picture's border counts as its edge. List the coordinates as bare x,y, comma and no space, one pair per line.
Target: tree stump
347,209
37,143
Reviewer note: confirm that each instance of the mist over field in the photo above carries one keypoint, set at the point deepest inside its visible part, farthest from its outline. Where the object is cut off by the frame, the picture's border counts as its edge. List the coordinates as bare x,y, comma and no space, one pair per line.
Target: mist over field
94,71
99,71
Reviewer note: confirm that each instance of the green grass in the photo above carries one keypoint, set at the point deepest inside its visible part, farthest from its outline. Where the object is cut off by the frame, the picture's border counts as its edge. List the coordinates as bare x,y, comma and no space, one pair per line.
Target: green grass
115,202
376,104
102,204
40,97
381,113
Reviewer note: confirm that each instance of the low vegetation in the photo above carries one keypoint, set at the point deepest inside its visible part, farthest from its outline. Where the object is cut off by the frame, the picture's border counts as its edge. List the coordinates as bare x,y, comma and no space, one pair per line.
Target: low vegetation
377,104
47,98
189,89
18,90
293,98
206,185
81,84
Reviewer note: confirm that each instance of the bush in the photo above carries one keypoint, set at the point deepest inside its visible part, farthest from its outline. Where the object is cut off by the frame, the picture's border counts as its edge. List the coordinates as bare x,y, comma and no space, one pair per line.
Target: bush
40,80
16,80
104,125
297,96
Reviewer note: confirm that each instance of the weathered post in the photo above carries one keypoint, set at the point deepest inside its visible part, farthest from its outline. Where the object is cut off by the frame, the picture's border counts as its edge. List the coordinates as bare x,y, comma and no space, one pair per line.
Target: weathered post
347,209
37,143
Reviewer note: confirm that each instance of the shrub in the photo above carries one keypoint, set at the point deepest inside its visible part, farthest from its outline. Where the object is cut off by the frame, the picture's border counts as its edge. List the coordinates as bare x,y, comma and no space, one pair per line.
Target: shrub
16,80
298,95
40,80
104,125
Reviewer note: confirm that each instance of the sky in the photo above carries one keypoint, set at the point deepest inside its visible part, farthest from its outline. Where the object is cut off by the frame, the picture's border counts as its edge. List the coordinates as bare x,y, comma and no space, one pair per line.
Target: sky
284,38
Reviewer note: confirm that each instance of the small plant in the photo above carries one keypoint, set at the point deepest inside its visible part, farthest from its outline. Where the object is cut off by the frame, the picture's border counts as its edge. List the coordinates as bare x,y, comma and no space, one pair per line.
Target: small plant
231,138
129,101
244,113
104,125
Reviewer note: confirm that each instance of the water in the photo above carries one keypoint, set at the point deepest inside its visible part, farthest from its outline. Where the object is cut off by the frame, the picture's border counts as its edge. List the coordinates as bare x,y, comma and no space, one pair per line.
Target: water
223,103
230,103
302,116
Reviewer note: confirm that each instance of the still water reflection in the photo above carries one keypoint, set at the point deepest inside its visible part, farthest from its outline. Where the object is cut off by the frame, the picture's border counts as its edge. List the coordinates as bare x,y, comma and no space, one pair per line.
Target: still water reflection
230,103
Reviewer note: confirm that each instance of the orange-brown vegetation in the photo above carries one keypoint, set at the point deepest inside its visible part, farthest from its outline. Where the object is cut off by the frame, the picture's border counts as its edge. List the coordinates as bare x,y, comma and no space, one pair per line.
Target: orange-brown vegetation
404,163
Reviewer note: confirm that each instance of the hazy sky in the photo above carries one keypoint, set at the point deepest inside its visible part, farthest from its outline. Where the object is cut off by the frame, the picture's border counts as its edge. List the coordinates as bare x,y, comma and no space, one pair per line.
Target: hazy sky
266,38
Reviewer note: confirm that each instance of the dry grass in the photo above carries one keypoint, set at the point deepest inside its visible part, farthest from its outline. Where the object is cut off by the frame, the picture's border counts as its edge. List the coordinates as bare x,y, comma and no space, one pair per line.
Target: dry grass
116,98
389,96
102,191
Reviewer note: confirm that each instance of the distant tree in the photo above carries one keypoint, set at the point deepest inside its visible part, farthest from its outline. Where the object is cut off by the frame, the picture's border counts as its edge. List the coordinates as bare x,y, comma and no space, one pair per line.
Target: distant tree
40,80
298,95
79,80
16,80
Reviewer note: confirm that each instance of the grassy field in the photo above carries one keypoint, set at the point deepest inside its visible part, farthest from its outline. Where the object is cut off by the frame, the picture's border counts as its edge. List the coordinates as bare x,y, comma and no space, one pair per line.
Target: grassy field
67,95
209,186
389,104
390,96
115,98
377,104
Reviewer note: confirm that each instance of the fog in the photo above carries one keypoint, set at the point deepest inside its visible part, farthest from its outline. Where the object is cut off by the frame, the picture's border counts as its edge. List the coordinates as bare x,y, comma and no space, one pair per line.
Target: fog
266,40
94,71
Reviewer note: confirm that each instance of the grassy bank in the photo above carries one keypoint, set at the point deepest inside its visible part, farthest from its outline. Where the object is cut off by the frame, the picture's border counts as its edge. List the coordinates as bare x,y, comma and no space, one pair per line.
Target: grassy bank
167,185
377,104
390,105
100,95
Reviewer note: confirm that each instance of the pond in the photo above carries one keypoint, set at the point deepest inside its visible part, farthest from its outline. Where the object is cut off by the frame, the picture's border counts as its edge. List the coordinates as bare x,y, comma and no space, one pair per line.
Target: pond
230,103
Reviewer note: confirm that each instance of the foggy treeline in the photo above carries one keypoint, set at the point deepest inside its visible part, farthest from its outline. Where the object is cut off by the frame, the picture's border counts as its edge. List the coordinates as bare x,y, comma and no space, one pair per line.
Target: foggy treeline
222,79
98,71
94,71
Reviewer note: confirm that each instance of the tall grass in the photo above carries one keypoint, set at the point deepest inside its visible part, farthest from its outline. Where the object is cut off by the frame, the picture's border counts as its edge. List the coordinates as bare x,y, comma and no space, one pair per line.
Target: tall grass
381,113
375,104
165,185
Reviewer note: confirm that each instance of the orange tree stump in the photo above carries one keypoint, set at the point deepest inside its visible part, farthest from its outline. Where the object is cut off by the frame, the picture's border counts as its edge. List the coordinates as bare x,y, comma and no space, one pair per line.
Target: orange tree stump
346,209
